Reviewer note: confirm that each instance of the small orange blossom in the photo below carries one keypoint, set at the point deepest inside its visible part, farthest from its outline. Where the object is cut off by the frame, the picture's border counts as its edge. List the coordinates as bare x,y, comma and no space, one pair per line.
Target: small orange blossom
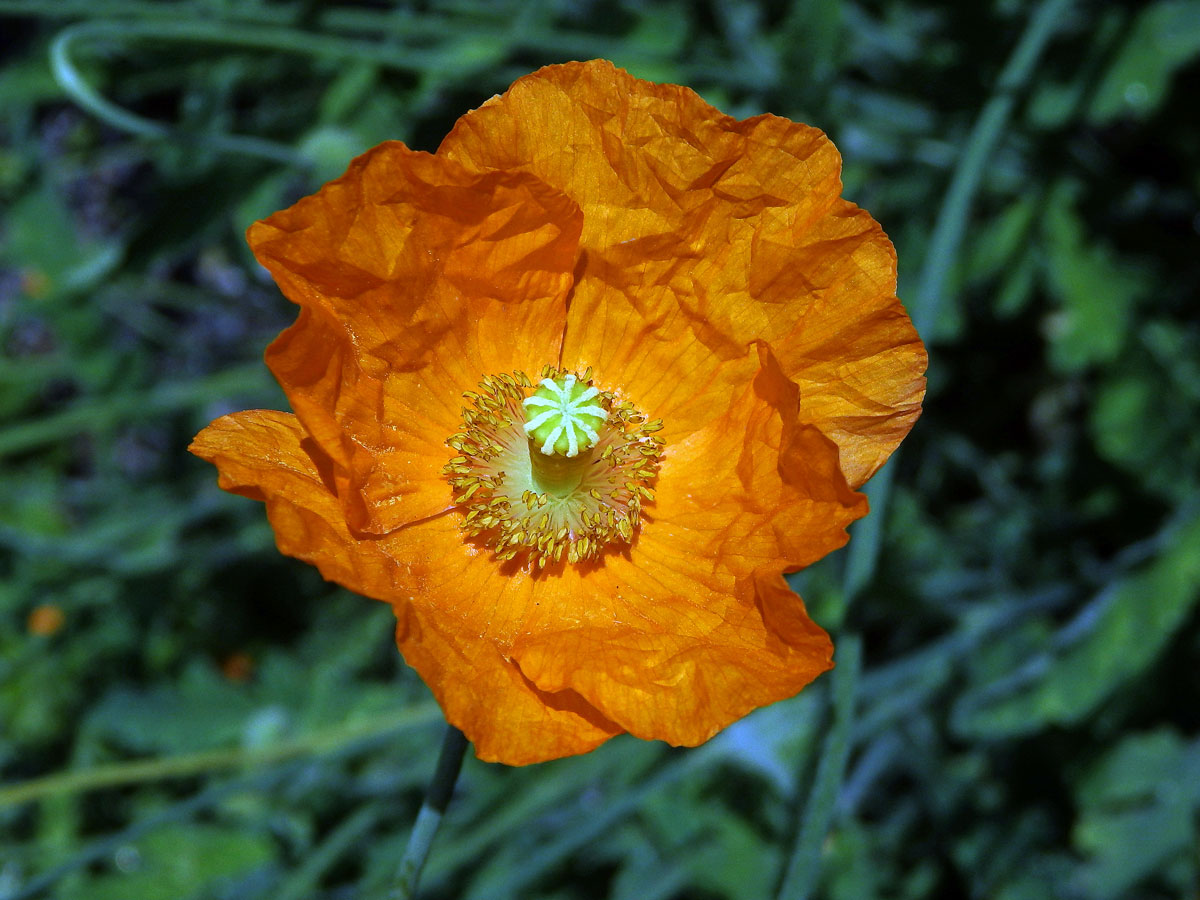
572,394
46,619
238,666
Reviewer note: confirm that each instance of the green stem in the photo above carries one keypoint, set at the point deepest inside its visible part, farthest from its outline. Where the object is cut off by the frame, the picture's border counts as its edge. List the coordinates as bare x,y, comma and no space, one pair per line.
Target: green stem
804,864
421,30
71,80
948,230
454,745
99,413
951,223
326,741
246,35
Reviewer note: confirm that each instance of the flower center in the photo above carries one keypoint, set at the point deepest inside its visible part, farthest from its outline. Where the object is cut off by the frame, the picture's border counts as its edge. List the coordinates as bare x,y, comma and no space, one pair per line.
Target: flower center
560,468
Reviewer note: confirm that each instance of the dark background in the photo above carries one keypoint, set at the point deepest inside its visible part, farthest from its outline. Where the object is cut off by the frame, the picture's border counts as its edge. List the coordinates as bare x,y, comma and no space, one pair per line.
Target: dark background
184,713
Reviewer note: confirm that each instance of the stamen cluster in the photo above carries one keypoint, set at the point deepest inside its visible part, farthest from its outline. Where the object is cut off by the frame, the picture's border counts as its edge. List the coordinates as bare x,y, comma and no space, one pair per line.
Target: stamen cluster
511,507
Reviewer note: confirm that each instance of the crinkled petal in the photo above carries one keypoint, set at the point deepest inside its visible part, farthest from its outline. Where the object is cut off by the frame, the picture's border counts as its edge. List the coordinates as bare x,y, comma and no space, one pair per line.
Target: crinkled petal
415,278
681,633
702,234
684,660
695,627
757,489
657,642
862,380
268,456
485,695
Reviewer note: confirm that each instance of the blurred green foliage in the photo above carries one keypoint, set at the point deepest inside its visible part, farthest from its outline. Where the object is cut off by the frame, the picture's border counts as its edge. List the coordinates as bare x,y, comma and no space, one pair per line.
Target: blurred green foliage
186,714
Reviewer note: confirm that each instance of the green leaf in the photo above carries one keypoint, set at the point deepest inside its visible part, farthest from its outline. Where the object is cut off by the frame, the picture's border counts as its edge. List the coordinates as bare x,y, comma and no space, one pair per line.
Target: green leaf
852,869
1002,239
1109,644
203,711
1138,807
178,862
1095,290
1163,38
1128,424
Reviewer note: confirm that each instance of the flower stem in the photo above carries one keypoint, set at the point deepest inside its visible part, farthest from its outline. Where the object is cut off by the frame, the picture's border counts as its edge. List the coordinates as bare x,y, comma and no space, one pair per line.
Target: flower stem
930,295
335,740
952,218
804,865
454,745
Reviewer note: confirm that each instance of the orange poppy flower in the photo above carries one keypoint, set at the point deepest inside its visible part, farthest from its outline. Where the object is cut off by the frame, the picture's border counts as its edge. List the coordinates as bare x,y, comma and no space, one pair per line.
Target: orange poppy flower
572,394
46,619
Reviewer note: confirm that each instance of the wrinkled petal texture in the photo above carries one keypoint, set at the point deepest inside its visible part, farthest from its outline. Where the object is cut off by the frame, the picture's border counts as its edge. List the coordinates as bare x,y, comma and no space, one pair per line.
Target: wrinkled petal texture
267,455
402,269
708,271
687,632
703,234
695,627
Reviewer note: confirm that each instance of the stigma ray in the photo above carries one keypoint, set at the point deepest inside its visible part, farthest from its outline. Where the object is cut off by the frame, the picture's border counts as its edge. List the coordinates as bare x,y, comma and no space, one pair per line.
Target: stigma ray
560,412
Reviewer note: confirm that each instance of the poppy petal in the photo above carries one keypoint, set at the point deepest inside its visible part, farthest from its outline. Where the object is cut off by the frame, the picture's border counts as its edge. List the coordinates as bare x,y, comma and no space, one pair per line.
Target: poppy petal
861,380
695,627
703,233
415,278
268,456
486,696
684,662
757,488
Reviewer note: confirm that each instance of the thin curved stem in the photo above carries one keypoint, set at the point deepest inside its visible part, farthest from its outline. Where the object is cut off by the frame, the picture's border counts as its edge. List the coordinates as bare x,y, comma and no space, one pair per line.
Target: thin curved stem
244,35
804,863
437,798
330,740
951,224
71,80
